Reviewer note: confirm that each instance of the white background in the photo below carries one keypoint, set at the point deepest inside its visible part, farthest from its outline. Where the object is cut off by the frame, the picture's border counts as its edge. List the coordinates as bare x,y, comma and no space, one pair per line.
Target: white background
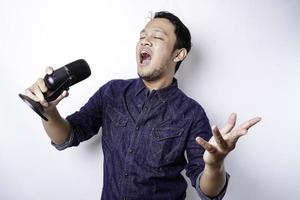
245,58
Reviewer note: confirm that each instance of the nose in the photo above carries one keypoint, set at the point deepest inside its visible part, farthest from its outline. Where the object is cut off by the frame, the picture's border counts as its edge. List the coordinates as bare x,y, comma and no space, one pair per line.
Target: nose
145,42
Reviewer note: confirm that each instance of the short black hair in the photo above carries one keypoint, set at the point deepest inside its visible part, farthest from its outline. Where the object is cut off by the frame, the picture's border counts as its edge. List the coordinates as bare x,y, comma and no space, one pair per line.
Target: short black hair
183,36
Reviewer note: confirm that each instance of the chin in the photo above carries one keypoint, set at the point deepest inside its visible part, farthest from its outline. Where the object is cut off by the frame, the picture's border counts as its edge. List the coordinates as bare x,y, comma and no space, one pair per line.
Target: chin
149,76
144,71
145,76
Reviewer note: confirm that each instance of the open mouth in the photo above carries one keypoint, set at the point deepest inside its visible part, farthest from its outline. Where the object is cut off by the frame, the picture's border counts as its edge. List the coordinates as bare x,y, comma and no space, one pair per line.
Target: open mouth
145,57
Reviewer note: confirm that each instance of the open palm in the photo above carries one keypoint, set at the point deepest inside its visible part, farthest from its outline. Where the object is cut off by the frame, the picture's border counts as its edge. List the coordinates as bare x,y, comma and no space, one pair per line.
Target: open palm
224,140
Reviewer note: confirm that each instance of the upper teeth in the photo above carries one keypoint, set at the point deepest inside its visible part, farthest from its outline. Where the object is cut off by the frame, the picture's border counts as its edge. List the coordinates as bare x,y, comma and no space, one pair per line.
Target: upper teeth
144,51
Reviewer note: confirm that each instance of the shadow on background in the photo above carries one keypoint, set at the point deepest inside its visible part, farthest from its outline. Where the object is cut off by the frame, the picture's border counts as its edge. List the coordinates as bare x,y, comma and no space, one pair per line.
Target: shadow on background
94,145
190,68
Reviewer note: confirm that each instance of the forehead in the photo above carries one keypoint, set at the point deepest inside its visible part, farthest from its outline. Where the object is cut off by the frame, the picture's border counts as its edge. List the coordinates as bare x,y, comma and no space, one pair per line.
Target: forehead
161,25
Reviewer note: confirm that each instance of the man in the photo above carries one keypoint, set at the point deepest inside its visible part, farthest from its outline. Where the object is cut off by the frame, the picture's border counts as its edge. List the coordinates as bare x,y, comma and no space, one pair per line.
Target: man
148,124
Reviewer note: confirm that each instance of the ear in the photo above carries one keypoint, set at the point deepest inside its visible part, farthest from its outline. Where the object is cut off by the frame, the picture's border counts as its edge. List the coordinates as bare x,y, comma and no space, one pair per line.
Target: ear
180,55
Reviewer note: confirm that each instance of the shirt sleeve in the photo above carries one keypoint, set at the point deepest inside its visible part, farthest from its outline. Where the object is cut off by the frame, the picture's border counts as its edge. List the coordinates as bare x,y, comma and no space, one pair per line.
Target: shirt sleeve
219,196
66,144
84,123
195,152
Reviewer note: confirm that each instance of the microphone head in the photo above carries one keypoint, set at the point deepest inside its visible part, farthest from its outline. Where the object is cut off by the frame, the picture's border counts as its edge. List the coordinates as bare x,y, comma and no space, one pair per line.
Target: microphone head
78,71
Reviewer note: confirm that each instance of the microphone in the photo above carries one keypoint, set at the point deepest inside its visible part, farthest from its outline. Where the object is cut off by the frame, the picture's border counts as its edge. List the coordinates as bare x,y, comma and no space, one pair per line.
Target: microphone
61,79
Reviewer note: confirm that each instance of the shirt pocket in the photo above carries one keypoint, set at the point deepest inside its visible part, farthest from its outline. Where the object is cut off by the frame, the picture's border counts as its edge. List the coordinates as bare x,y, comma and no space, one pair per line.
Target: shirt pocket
166,144
115,126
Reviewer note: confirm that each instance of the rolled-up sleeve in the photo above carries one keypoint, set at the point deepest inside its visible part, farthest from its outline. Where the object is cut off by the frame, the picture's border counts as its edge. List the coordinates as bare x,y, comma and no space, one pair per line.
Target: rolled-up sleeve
195,166
219,196
84,123
66,144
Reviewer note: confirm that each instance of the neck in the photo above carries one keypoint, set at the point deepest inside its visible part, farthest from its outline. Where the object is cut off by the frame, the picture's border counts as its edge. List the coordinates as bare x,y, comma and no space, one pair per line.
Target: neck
158,84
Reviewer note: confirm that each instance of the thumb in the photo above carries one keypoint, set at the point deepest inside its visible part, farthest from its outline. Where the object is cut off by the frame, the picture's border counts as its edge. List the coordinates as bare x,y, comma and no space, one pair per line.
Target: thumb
61,97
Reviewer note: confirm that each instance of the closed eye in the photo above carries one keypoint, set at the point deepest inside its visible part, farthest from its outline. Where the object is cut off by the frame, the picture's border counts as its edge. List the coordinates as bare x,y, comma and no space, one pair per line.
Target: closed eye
159,38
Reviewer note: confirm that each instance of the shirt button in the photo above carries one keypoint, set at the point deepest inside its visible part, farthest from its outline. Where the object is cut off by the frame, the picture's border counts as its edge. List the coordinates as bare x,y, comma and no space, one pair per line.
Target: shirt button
126,174
130,150
137,128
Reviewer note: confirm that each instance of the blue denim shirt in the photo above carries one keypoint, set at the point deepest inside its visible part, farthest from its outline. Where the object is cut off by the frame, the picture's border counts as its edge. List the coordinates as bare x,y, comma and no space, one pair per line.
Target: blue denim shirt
145,136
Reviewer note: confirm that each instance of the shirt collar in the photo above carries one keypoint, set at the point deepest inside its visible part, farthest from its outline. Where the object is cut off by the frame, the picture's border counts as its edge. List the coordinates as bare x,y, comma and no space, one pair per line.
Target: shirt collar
163,93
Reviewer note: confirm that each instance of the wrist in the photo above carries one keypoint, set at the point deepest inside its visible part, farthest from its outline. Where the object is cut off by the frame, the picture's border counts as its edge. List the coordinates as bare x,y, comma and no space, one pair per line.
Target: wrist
214,171
215,165
52,113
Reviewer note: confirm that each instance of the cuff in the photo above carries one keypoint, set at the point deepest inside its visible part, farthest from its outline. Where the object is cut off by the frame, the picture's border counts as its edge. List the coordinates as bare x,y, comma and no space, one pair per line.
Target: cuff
66,144
204,197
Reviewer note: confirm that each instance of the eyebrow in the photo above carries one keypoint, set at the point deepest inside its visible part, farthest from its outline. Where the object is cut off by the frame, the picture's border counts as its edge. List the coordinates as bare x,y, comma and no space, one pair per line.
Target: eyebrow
155,30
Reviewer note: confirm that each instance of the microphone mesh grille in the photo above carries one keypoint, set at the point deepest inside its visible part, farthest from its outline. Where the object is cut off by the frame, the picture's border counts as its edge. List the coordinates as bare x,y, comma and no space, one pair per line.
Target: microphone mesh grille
78,70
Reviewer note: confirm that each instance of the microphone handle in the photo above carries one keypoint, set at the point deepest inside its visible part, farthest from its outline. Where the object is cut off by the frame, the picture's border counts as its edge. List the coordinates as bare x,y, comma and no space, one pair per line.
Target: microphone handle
54,94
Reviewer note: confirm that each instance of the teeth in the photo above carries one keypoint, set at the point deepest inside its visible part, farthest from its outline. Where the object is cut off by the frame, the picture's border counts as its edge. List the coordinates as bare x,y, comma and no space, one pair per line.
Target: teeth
144,55
144,51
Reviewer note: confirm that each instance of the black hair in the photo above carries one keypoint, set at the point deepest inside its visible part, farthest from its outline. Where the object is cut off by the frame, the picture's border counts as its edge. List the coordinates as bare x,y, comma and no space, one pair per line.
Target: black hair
183,36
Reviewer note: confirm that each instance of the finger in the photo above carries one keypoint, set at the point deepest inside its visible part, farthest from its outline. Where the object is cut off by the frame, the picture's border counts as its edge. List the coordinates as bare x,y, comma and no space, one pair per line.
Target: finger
63,95
230,124
218,138
248,124
236,134
42,85
30,94
38,93
49,70
207,146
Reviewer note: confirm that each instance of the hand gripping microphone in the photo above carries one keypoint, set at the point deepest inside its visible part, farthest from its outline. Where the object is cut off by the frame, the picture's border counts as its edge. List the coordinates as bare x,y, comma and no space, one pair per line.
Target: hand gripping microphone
60,80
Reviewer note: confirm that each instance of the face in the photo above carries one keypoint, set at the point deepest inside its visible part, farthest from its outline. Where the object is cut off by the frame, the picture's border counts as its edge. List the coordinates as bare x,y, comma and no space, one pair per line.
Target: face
155,50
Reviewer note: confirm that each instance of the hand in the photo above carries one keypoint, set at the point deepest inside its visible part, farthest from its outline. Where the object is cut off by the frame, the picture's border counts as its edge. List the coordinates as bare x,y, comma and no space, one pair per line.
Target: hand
37,91
223,141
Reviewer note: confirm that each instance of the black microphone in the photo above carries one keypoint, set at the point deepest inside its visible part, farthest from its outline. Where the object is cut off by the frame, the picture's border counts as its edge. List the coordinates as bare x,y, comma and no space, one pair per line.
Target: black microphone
61,79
